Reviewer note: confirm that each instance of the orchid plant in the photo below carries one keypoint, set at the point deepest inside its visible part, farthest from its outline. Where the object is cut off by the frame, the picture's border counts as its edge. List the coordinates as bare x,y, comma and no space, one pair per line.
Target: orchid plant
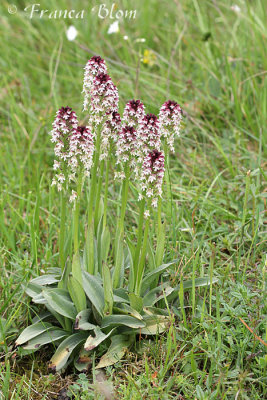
105,290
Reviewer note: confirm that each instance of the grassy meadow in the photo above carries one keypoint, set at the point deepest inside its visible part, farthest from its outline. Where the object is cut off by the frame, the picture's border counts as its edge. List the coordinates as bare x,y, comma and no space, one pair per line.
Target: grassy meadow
209,56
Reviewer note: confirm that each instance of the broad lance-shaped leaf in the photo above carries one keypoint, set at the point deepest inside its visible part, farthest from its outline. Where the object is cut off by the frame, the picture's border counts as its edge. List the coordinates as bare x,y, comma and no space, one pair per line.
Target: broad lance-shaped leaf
125,309
116,351
94,291
93,341
108,291
60,301
105,245
136,302
160,292
155,324
44,280
47,337
32,331
199,282
81,322
77,294
125,320
64,351
151,276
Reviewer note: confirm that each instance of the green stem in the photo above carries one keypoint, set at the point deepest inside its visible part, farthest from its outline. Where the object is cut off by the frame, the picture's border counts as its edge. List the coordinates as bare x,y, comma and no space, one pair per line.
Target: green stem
93,177
125,189
139,237
98,193
159,216
76,214
62,228
141,264
106,192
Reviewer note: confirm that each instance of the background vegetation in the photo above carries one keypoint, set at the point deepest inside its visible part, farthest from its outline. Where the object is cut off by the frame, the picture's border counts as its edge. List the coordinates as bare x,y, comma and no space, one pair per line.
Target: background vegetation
211,58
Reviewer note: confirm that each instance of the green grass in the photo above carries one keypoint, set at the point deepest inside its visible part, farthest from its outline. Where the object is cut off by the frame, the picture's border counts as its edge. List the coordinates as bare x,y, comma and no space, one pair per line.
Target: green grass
213,62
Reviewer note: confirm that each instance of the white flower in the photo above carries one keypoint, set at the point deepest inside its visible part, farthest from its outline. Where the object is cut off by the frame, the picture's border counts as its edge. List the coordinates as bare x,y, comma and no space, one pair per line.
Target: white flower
114,28
236,8
140,40
73,196
146,214
125,37
71,33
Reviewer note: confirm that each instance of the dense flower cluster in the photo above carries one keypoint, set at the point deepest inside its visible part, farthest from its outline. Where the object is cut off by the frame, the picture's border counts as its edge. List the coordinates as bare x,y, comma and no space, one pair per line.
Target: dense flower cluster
134,113
126,149
170,117
96,65
64,125
104,95
149,134
152,176
73,147
109,133
81,149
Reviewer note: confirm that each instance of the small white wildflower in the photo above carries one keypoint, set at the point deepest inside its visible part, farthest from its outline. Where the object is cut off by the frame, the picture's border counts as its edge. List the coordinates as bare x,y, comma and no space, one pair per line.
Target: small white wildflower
146,214
73,196
140,40
125,37
71,33
114,28
236,8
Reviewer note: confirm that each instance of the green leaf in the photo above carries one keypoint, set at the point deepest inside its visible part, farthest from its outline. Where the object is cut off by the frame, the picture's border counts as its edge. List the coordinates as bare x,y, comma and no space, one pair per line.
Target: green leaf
151,276
32,331
105,244
205,281
64,350
83,361
76,268
81,322
46,337
155,324
94,291
77,294
93,341
116,351
108,290
89,251
60,301
32,289
136,302
160,245
199,282
160,292
125,309
119,320
44,280
41,317
118,273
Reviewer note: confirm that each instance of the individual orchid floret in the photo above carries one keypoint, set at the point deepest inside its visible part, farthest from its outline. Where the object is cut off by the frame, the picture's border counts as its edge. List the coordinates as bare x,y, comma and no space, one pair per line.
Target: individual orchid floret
148,134
126,149
63,126
170,117
104,98
109,133
96,65
81,149
134,113
152,176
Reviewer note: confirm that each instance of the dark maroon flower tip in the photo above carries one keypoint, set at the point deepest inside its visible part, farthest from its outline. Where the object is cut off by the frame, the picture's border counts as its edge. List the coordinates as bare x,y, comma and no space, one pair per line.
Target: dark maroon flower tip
102,78
97,59
135,104
150,118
